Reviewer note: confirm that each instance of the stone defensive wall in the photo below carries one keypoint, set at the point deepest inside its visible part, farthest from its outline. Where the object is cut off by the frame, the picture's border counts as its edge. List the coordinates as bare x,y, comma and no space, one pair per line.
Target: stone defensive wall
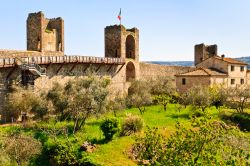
59,69
17,53
148,71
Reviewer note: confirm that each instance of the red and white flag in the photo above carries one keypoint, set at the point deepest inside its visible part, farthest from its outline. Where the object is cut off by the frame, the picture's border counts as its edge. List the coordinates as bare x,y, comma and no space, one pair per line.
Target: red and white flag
120,15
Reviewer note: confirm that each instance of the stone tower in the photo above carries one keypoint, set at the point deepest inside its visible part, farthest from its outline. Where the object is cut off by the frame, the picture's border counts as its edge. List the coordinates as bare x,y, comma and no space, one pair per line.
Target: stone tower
45,35
202,52
121,42
124,43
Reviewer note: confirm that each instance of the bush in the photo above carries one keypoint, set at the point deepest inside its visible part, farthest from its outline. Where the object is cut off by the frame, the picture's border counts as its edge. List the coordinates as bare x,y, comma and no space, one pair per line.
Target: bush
149,148
88,161
20,148
207,143
131,125
62,152
242,119
196,113
109,128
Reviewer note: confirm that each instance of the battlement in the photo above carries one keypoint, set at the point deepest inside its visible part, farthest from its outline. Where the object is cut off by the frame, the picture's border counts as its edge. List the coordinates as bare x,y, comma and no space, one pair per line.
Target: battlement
45,34
134,30
24,53
203,52
121,42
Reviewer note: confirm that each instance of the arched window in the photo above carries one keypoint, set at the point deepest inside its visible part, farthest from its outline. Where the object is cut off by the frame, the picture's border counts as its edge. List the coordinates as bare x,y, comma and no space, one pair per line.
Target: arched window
130,71
130,47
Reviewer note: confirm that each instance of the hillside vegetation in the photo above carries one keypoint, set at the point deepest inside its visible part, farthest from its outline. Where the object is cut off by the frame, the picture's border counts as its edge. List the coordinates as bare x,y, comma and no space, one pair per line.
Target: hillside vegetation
81,123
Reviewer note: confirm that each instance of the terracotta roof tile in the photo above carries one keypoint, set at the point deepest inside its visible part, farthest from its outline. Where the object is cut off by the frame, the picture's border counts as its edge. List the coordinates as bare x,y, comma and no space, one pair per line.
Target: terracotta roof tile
202,72
231,60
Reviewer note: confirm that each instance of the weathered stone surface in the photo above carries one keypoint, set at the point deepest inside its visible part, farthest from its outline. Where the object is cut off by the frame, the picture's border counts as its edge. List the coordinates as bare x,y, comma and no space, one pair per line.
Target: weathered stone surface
45,34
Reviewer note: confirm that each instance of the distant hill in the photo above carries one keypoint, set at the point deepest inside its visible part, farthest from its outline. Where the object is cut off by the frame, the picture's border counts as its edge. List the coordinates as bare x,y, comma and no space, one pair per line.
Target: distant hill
245,59
173,63
191,63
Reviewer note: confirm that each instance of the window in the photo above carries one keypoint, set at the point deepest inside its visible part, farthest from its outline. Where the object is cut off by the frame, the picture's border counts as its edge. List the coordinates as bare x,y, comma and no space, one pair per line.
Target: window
232,81
232,68
241,81
242,68
116,53
183,81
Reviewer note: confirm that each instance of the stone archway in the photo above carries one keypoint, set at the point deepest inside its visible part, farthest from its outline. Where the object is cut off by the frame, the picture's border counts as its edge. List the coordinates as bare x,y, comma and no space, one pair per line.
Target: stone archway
130,71
130,47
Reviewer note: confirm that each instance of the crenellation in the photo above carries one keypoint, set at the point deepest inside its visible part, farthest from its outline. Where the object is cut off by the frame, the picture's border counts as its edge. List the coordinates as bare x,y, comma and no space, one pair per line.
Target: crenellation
45,50
203,52
45,34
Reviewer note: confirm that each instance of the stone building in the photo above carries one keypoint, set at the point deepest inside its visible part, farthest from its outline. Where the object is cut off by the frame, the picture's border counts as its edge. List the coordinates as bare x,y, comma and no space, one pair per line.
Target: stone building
44,61
213,69
45,35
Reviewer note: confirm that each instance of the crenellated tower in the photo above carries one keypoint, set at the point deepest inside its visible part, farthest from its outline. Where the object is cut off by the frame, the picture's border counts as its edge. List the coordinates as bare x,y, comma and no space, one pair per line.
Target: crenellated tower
124,43
121,42
45,35
203,52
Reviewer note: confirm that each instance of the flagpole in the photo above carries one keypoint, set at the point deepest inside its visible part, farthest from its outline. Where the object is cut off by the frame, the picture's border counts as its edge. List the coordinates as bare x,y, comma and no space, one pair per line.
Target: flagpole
121,17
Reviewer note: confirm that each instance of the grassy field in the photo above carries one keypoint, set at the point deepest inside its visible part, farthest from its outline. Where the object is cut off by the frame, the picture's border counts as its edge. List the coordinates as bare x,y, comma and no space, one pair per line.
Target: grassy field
116,151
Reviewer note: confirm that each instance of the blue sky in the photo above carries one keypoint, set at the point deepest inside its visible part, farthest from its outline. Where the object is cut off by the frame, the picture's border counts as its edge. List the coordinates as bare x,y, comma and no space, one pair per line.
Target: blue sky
169,29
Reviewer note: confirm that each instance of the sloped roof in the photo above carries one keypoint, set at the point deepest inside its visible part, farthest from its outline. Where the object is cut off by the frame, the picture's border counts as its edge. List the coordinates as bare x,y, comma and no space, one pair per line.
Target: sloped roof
202,72
231,60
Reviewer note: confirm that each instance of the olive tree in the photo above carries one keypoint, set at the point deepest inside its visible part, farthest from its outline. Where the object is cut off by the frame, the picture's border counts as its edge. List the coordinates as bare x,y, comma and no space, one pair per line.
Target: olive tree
219,95
59,101
86,97
139,95
199,96
25,101
163,91
238,98
116,103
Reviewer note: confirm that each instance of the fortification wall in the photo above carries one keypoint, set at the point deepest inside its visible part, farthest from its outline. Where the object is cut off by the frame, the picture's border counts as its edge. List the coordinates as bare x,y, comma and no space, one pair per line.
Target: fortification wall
16,53
148,71
66,73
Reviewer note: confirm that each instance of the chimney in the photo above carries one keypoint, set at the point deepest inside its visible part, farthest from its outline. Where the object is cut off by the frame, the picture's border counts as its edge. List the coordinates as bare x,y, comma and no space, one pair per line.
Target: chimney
222,56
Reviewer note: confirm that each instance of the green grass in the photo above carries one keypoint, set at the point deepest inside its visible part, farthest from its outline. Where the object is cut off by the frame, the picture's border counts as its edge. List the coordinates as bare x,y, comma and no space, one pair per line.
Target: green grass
116,151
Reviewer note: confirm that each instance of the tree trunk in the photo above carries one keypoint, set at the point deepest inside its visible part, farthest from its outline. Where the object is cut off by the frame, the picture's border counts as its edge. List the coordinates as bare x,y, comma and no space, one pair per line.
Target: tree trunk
165,107
75,126
141,111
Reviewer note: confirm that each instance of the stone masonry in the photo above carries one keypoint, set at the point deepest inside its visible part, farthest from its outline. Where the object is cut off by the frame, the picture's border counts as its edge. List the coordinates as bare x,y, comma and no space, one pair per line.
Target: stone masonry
45,40
45,34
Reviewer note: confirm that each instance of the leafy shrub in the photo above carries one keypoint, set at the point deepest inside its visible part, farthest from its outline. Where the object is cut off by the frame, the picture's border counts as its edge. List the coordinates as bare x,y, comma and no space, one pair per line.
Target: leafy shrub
62,152
109,128
196,113
148,148
131,125
240,119
88,161
207,143
21,148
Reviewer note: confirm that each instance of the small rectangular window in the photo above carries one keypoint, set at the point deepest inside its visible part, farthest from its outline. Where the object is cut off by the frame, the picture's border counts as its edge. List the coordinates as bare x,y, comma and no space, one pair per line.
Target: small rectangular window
242,68
183,81
232,81
232,68
241,81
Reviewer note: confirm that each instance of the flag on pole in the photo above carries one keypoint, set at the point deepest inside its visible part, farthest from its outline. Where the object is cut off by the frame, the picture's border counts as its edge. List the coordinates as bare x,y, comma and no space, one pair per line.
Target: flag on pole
120,15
